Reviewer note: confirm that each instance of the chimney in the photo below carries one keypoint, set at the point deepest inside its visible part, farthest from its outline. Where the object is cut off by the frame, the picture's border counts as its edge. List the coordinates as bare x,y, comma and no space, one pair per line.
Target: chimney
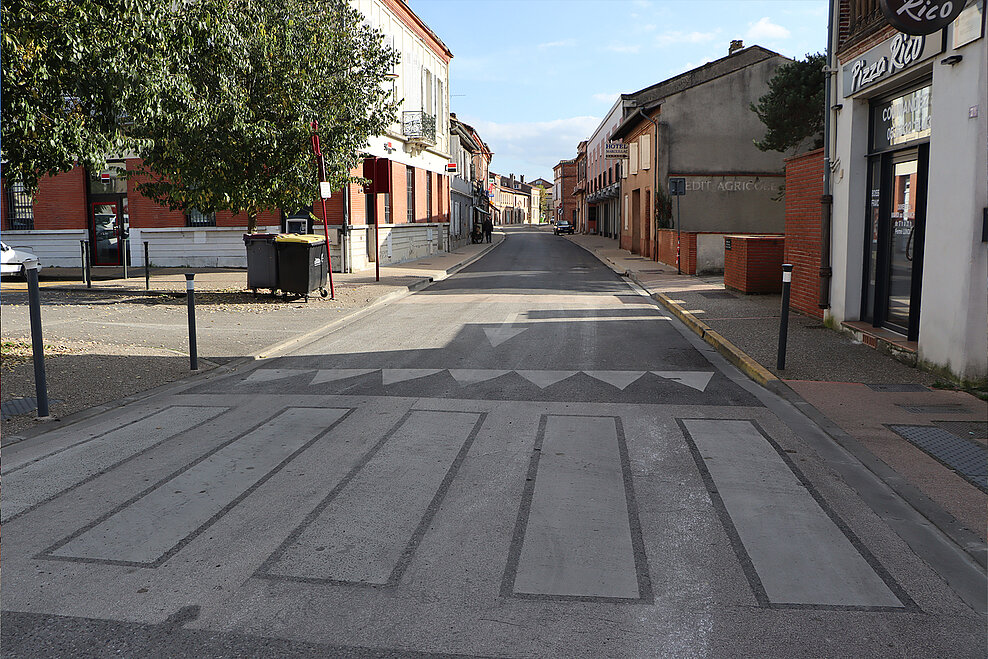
511,179
736,45
522,178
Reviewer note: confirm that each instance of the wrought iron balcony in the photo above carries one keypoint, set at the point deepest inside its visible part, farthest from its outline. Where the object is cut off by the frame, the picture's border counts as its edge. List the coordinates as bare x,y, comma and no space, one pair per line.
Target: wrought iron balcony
419,126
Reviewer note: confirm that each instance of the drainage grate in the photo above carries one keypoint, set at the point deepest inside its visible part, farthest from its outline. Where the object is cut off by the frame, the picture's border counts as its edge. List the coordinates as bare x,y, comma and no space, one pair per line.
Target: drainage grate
966,429
897,388
719,295
20,406
934,409
967,458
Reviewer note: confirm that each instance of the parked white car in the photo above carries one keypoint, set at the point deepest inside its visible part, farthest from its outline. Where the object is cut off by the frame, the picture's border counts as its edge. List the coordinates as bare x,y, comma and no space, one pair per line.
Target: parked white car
14,258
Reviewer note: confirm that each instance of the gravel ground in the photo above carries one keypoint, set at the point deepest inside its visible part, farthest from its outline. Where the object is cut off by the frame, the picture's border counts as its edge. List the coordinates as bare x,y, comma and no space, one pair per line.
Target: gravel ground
103,346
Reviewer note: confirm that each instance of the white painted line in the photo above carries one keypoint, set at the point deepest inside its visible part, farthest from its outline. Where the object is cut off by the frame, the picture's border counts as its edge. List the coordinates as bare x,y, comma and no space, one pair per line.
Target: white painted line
475,376
362,535
333,374
696,379
148,528
619,379
271,374
543,379
50,475
498,335
393,375
800,554
578,536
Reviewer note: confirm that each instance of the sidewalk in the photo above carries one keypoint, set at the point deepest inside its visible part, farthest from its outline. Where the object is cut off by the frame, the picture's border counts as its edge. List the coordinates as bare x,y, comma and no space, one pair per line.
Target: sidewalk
110,279
863,398
115,341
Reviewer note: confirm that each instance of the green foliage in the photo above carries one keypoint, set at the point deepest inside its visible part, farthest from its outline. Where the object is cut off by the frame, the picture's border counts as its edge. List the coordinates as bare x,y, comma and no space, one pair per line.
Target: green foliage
241,142
74,72
793,109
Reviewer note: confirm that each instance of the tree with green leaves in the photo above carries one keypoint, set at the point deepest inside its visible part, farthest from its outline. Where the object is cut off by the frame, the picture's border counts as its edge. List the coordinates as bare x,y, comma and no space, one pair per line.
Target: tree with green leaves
793,109
242,142
75,73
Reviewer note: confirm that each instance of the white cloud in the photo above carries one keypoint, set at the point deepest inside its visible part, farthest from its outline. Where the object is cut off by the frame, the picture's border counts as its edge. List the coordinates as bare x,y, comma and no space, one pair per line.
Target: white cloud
606,98
557,44
523,146
623,48
677,37
765,29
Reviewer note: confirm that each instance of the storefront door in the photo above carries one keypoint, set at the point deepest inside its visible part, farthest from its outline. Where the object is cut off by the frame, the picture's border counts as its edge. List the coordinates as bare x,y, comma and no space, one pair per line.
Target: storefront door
897,219
106,233
109,219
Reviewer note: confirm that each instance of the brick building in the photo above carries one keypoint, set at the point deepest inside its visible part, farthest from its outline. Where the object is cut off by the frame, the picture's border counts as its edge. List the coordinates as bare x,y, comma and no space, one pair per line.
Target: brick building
563,201
731,186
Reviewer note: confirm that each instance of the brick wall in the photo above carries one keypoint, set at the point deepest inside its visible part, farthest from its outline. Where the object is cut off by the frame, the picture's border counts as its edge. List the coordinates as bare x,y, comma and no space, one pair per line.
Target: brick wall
667,249
59,204
804,188
753,264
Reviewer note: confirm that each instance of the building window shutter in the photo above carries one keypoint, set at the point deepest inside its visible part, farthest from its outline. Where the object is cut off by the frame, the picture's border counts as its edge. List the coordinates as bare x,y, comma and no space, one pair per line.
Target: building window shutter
646,150
624,168
625,212
633,155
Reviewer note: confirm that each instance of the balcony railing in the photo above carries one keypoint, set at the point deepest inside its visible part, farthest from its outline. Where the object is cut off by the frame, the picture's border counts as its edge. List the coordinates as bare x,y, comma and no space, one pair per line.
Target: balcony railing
419,126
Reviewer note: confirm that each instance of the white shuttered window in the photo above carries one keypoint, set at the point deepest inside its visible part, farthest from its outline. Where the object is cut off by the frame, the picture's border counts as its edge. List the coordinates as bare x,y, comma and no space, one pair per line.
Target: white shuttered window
646,150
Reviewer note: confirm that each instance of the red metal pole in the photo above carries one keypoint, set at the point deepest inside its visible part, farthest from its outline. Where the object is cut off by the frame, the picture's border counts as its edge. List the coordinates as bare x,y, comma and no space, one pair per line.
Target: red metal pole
325,217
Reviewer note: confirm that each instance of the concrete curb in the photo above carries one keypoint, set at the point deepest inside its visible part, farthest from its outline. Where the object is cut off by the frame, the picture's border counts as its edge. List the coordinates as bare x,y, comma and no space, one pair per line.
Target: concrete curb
731,352
221,370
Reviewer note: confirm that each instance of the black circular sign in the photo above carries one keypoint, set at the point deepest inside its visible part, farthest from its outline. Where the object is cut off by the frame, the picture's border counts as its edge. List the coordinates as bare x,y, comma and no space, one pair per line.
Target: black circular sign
921,16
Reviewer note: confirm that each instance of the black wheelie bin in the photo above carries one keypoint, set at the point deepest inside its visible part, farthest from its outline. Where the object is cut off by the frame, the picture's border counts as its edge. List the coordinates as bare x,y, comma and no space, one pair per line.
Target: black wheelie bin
262,261
303,264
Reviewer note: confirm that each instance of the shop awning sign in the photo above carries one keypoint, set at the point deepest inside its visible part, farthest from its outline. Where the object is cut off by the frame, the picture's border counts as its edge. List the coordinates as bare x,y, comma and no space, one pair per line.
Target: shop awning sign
888,58
920,17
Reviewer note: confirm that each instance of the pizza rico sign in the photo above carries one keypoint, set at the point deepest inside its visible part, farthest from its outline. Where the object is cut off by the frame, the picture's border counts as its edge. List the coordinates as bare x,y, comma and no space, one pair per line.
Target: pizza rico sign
921,16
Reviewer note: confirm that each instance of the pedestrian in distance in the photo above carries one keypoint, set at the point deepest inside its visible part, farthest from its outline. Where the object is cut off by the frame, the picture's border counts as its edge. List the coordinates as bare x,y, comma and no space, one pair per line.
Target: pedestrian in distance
488,229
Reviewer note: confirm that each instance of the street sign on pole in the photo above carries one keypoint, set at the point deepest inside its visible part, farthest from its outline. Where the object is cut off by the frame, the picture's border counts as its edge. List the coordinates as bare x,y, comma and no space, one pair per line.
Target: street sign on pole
677,186
677,189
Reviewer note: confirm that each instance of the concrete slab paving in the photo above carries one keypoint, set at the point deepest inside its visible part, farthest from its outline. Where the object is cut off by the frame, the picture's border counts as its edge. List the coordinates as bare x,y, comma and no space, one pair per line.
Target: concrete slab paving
432,473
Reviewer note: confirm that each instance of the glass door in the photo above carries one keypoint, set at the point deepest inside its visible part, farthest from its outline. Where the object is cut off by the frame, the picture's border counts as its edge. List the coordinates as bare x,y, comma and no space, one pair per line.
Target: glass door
902,243
895,223
106,233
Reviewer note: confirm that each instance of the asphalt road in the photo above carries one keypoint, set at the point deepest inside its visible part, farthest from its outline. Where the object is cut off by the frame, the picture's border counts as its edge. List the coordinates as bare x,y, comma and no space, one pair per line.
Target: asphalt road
526,459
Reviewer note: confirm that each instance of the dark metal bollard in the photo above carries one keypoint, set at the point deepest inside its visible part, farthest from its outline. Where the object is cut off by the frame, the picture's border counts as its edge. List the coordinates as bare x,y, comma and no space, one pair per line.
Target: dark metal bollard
86,265
82,259
784,322
190,288
147,268
37,341
126,254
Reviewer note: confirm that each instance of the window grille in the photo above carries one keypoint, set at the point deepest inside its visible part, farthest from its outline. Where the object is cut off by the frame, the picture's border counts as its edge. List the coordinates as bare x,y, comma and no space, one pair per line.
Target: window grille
410,184
20,207
197,219
428,194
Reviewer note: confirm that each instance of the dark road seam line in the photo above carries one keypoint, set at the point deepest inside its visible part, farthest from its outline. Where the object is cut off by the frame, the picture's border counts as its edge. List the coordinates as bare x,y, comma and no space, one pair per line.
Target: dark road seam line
47,554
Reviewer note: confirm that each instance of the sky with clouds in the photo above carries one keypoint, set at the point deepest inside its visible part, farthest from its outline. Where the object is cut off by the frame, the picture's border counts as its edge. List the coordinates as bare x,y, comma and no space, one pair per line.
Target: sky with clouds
535,77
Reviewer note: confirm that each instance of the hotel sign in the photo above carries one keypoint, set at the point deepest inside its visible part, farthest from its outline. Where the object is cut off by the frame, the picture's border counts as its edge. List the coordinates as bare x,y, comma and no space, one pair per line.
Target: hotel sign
615,150
921,17
890,57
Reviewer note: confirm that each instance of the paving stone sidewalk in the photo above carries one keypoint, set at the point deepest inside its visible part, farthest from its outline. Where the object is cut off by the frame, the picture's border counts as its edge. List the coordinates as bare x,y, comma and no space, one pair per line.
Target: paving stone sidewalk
863,398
